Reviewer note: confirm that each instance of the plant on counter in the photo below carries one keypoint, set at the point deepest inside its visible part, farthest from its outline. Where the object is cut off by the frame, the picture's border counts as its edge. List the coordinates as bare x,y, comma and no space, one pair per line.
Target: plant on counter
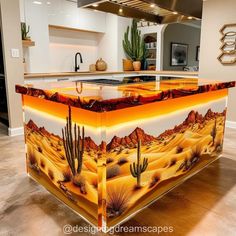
134,45
73,142
137,169
25,31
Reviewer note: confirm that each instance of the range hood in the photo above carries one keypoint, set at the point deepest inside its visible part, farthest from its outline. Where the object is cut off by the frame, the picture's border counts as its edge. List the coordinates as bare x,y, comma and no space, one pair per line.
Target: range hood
157,11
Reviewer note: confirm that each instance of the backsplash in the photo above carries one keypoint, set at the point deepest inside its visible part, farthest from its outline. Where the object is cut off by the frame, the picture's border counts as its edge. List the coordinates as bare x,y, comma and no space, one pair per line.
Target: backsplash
63,45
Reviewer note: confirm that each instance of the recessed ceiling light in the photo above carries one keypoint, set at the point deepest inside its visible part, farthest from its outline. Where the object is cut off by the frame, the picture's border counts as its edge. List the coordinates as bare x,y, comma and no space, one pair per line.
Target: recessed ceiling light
95,5
120,10
152,5
48,3
37,2
190,17
175,13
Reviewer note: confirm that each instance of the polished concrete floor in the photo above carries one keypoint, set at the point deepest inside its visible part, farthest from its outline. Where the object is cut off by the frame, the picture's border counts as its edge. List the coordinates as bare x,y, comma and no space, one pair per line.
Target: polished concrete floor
203,205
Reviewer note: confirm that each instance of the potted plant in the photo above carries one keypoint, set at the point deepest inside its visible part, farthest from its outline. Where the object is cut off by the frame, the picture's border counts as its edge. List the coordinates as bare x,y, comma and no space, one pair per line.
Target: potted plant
25,31
133,45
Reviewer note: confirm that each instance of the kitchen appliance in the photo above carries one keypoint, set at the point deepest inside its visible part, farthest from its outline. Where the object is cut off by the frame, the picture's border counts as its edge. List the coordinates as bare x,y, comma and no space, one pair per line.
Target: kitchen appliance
158,11
118,81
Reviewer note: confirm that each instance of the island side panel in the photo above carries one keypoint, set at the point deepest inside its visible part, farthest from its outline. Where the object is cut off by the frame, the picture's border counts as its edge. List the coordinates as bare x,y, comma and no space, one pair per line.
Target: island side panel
50,157
154,147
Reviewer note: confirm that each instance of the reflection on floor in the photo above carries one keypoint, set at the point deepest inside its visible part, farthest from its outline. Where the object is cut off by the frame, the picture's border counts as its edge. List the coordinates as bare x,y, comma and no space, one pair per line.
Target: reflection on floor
203,205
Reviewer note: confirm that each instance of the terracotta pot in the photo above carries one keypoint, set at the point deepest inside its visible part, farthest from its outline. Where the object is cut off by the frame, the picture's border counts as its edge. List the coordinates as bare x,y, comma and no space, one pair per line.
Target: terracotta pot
137,65
127,65
101,65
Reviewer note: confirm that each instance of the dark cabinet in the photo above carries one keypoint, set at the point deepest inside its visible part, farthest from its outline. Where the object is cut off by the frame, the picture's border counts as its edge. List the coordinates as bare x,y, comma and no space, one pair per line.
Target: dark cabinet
3,100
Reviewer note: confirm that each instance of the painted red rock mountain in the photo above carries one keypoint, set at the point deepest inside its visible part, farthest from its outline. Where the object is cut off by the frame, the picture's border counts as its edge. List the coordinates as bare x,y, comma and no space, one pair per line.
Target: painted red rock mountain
131,140
88,142
192,118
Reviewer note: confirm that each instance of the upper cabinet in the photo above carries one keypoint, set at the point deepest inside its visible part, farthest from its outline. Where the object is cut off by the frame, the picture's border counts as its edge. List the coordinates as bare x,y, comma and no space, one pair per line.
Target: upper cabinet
66,14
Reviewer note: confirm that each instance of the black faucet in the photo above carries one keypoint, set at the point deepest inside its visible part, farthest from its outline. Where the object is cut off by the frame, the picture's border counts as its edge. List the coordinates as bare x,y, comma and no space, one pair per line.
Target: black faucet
76,61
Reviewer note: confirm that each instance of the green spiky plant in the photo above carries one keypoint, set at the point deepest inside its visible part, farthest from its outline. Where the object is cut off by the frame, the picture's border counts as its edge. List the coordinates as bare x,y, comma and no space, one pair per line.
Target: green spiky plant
137,169
133,43
145,52
117,201
25,31
73,142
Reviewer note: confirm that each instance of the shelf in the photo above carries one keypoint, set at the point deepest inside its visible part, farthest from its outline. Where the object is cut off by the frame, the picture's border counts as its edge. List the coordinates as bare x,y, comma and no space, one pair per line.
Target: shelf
58,27
151,59
151,48
28,43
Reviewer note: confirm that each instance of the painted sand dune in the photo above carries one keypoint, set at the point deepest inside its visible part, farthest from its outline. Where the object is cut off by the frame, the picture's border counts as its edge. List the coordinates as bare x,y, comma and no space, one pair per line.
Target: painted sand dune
137,168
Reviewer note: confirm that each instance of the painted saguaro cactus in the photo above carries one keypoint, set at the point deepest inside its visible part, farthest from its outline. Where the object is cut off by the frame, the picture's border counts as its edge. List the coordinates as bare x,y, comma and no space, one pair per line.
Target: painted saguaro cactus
213,132
73,142
137,169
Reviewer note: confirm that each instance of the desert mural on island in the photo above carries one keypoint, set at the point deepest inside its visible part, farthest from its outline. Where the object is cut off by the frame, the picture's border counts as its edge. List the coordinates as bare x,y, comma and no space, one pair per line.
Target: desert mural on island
117,178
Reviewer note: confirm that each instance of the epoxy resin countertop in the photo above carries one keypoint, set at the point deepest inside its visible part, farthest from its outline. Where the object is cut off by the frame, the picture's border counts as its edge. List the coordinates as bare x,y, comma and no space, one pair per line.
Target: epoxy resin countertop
100,97
103,73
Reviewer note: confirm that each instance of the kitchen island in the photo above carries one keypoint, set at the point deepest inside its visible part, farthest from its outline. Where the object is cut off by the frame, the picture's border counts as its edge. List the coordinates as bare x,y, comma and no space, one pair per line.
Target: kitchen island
108,150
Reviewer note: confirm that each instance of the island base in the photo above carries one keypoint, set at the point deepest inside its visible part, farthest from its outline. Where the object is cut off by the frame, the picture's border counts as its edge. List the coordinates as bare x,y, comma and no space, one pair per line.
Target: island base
108,166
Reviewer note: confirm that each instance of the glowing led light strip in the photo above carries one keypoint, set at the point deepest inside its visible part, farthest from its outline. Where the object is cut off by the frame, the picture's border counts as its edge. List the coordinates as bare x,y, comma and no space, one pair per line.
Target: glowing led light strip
113,128
142,121
95,130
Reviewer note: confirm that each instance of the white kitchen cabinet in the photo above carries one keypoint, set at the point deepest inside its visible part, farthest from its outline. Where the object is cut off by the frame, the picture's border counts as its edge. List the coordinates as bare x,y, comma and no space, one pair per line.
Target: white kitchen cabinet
66,13
35,15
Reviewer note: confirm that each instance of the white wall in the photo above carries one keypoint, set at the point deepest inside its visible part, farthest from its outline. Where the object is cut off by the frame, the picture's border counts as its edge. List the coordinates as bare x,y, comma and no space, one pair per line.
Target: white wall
63,45
22,10
185,34
110,46
37,58
216,13
54,50
66,13
107,46
11,38
122,27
